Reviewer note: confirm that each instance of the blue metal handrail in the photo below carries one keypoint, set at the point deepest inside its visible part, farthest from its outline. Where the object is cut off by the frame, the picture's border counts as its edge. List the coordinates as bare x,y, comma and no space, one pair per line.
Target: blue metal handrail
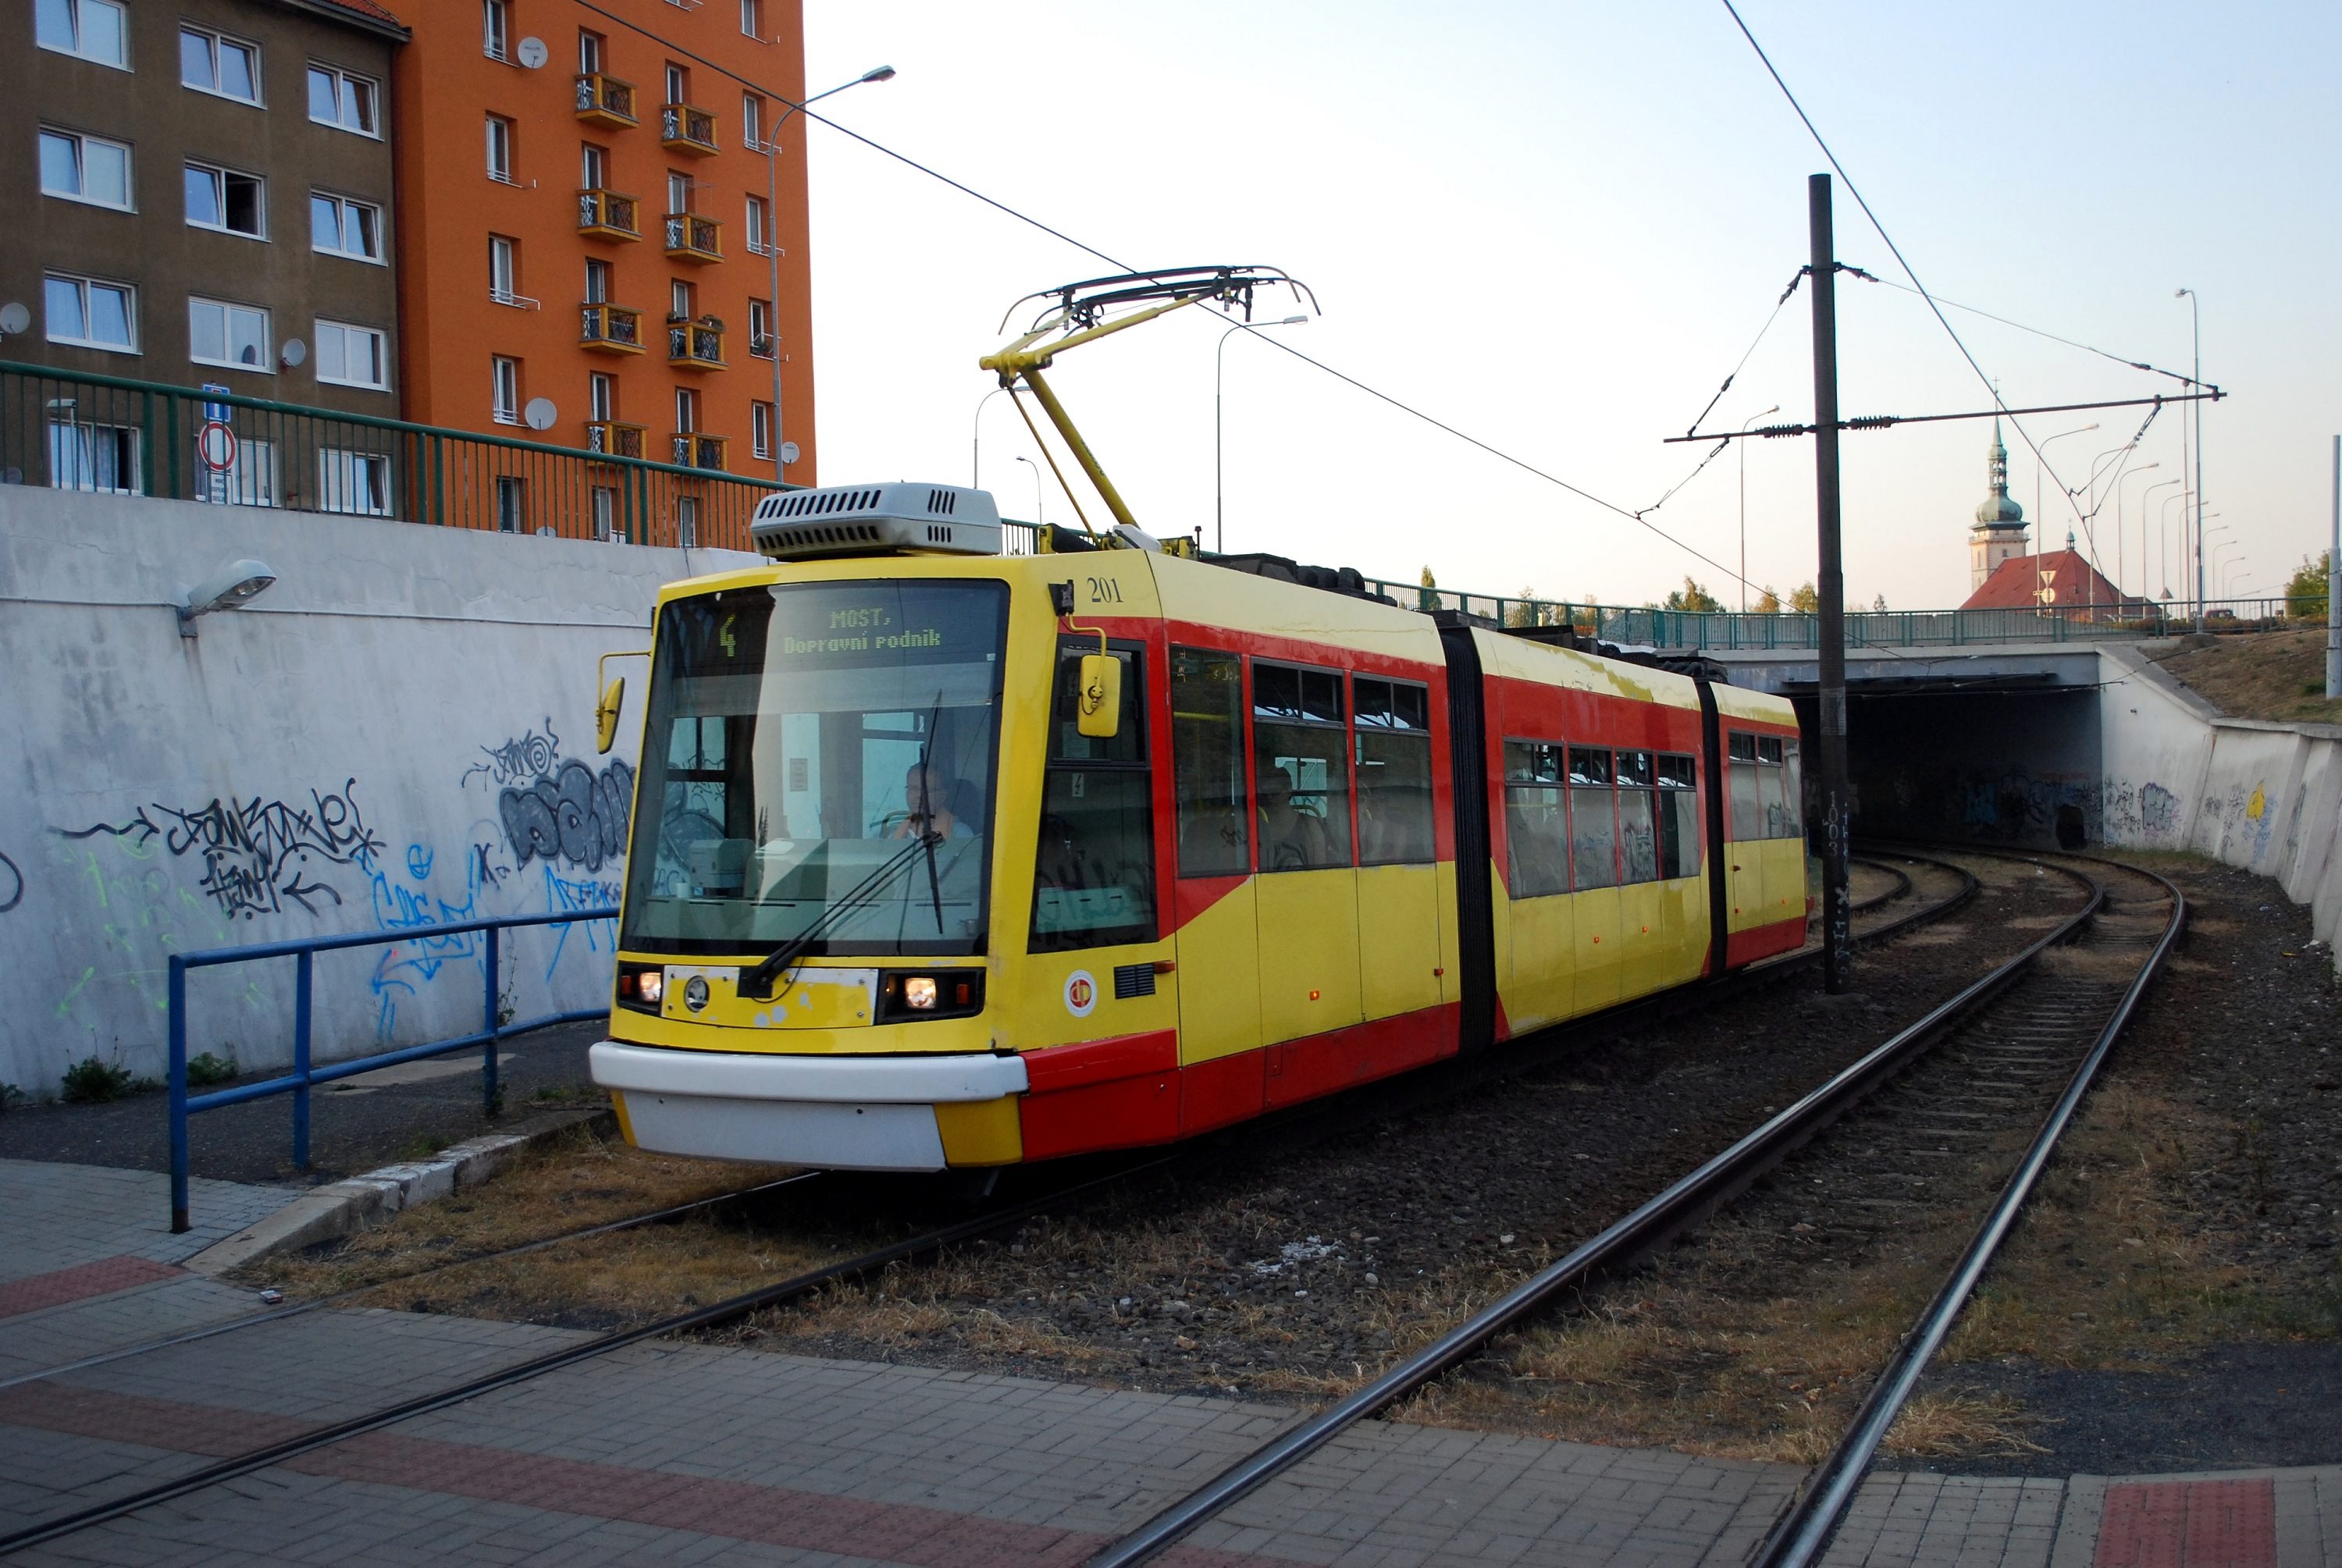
298,1081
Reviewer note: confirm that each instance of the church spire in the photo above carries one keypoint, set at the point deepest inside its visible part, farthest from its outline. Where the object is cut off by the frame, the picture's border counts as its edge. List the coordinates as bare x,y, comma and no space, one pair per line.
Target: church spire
1999,532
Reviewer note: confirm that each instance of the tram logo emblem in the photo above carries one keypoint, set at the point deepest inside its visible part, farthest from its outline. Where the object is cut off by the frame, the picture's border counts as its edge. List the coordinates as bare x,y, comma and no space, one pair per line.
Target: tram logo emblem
1081,994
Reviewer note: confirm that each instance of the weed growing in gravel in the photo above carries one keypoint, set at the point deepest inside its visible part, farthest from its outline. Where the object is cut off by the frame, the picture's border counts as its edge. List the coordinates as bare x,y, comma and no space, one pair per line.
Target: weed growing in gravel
94,1082
207,1070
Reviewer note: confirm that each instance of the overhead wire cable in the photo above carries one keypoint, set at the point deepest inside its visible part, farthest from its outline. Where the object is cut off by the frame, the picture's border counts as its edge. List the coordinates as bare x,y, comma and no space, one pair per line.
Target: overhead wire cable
2180,377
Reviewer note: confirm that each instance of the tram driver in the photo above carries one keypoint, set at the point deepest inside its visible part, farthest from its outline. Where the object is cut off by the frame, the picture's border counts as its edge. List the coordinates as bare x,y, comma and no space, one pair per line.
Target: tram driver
931,798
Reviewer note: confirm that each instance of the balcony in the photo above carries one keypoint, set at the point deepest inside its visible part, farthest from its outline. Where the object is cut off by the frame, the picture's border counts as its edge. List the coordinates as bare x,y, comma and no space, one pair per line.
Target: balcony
612,439
612,329
695,345
684,129
696,450
692,238
605,100
607,216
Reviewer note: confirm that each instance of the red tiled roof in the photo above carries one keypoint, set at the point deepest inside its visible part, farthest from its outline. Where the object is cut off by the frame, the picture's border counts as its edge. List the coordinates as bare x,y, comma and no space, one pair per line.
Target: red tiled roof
2061,581
363,12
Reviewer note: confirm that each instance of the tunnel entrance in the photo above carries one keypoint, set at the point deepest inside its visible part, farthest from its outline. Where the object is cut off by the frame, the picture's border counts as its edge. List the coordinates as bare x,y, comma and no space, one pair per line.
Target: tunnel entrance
2013,761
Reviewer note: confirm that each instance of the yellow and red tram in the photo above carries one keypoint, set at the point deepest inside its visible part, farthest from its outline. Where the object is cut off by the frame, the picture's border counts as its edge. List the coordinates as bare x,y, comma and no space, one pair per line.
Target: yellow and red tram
947,858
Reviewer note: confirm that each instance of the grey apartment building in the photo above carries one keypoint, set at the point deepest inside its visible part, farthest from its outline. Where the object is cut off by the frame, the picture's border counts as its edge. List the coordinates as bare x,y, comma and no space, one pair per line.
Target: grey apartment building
198,192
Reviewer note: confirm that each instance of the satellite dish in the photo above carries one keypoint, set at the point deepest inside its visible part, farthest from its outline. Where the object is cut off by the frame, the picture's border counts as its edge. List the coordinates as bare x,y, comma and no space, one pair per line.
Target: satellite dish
532,53
14,318
789,452
540,414
293,351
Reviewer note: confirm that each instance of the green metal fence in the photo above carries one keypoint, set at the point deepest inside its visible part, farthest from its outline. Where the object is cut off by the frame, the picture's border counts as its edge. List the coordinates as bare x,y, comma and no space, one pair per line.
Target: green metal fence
73,431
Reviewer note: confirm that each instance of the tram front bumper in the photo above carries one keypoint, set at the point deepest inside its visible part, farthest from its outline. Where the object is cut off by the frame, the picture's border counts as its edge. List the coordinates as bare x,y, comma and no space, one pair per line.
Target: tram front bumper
847,1112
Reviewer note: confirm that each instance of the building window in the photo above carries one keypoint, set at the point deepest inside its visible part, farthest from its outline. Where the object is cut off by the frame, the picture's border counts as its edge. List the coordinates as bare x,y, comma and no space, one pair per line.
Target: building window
597,281
606,513
99,457
353,355
210,63
512,499
500,149
90,313
687,520
250,480
225,200
91,29
678,83
755,226
358,483
342,227
589,52
678,301
593,166
752,18
503,270
760,328
230,335
678,192
760,428
686,411
602,397
84,169
752,122
336,97
504,407
495,29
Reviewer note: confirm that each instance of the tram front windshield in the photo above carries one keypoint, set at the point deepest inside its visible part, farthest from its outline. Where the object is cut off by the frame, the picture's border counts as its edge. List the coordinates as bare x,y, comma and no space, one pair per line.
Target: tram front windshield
819,762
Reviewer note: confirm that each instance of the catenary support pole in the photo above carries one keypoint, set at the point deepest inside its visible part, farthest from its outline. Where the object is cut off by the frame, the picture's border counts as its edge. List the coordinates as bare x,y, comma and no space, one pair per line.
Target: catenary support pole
2334,587
1829,581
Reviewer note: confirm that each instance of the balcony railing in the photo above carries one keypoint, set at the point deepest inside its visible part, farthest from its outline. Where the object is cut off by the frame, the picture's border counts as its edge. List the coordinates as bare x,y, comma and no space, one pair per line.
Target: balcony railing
760,344
612,439
692,450
605,100
695,345
685,129
612,329
606,214
692,238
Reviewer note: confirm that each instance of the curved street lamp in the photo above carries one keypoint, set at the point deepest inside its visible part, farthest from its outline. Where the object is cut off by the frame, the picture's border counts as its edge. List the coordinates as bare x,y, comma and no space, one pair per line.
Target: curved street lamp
1744,504
2118,525
2146,574
2163,533
2195,381
1038,519
1219,359
773,245
976,441
2040,462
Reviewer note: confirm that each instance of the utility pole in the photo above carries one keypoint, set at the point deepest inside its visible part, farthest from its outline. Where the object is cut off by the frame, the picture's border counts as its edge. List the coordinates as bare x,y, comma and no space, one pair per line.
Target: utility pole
1829,581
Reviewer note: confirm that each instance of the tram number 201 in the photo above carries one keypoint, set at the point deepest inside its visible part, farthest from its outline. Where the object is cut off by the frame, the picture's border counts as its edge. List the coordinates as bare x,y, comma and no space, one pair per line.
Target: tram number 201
1105,591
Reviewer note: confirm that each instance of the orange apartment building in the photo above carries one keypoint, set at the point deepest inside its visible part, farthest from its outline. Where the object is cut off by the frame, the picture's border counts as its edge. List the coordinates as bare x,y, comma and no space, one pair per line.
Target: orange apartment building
585,226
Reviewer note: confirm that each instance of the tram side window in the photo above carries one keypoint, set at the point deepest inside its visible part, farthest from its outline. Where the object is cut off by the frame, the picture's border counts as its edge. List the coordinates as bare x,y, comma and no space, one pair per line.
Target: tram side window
1094,883
1748,809
1301,757
1679,817
1639,841
1777,764
1537,822
1207,763
1394,758
1593,818
697,812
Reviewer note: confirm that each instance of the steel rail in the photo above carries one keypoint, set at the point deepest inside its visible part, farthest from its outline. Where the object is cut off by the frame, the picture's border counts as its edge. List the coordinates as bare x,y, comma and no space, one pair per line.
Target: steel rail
714,1314
254,1320
1803,1532
1658,1220
782,1291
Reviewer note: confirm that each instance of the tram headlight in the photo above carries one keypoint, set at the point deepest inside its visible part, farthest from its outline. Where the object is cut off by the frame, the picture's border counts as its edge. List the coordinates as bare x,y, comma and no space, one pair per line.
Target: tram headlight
641,985
919,992
937,994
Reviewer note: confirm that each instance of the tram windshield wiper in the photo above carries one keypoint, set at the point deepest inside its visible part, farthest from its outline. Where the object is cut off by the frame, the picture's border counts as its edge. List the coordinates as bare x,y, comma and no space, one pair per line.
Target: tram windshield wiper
757,983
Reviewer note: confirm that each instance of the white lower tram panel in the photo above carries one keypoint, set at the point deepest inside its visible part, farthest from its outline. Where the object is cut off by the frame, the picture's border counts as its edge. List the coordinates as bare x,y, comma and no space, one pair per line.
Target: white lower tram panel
848,1113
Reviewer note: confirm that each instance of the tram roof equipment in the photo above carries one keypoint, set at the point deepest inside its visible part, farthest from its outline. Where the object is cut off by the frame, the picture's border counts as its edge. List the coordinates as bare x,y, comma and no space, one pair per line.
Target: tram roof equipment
903,518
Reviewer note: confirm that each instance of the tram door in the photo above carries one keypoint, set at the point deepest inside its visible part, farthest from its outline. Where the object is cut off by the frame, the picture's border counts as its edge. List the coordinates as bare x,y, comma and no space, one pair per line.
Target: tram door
1218,932
1307,885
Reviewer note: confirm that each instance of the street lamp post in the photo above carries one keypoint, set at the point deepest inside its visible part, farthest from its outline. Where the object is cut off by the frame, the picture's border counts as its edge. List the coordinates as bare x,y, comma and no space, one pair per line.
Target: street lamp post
1038,519
976,441
2041,461
2119,530
772,247
2196,380
1219,359
2163,538
2145,572
1744,504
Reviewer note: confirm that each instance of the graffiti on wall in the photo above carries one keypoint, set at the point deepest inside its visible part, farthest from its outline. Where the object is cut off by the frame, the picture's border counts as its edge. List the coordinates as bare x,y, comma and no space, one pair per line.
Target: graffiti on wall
2019,805
258,856
2145,814
557,809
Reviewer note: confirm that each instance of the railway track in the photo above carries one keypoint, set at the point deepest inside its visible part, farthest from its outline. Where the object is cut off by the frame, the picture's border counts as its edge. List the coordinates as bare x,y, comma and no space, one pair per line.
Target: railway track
2014,1046
1899,907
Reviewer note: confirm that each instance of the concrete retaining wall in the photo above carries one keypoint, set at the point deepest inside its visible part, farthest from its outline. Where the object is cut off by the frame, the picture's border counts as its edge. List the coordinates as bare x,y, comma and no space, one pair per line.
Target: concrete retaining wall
2265,797
399,732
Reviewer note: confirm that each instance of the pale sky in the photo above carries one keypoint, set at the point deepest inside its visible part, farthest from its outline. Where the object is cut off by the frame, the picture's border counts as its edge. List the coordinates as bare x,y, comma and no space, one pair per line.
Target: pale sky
1558,227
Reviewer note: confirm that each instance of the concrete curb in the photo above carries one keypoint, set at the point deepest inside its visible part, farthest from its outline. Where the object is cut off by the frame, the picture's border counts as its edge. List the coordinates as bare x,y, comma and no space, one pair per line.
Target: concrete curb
364,1202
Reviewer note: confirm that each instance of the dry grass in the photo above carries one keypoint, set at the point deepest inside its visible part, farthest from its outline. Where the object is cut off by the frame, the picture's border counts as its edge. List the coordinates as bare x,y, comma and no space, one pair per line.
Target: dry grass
2278,675
581,1179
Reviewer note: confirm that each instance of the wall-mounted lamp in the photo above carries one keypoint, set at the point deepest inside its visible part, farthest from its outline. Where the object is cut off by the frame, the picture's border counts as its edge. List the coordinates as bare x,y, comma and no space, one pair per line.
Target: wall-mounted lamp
232,586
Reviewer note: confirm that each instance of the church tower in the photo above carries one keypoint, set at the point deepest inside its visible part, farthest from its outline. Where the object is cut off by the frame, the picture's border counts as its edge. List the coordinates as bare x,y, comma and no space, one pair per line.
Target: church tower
1999,532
